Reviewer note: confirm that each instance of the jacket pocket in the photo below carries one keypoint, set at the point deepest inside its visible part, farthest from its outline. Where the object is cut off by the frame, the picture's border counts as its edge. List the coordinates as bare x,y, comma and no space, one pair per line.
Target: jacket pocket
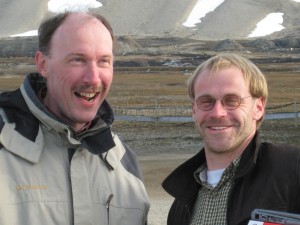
112,213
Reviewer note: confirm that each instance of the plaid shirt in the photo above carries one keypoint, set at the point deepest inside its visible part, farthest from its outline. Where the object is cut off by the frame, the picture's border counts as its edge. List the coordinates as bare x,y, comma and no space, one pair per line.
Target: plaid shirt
211,205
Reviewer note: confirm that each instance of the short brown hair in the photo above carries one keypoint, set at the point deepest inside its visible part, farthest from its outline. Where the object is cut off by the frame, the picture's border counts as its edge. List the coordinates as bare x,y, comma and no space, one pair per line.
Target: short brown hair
50,25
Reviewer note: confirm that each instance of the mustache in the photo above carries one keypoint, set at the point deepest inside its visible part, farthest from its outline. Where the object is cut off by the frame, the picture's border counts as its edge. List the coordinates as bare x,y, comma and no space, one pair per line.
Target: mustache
216,122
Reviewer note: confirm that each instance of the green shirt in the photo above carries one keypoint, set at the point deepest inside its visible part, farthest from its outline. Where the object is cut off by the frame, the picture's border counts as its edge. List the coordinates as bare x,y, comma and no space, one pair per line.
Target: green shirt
211,205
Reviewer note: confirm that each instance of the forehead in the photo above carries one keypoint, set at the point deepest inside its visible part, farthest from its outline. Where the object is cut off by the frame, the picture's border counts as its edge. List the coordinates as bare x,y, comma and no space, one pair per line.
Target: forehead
220,82
82,30
78,20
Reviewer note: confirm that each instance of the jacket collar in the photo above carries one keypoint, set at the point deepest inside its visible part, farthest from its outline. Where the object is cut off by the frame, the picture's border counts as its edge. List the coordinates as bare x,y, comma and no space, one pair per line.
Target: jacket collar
249,157
23,125
181,183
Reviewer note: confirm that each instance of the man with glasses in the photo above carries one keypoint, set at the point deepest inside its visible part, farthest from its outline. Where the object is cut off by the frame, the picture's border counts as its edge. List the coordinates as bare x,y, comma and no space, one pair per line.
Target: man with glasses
234,173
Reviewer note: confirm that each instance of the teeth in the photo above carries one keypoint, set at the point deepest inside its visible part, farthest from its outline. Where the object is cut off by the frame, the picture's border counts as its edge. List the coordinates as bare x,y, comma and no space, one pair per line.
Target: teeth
87,94
218,128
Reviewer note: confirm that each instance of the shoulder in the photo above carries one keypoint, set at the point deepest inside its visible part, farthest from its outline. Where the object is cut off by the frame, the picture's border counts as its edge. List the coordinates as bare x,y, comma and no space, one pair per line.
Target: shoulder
279,155
122,154
279,149
15,112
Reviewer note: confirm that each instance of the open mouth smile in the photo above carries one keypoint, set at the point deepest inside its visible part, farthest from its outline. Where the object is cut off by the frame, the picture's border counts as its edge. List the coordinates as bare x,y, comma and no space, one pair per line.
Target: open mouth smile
87,96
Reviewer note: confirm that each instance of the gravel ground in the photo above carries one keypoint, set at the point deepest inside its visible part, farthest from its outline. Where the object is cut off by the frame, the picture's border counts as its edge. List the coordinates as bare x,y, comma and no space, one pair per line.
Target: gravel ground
150,138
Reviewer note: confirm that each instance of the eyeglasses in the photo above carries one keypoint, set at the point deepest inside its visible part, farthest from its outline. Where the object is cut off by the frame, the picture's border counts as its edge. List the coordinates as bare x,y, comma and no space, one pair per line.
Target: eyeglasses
230,102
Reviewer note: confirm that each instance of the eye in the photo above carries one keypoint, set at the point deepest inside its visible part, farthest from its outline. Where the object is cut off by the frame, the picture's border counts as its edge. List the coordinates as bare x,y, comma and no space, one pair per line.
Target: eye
231,100
105,62
77,60
205,101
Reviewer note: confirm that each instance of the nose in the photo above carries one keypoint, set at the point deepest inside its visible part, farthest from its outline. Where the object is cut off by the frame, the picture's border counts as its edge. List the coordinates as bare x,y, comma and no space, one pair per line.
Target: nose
218,110
92,74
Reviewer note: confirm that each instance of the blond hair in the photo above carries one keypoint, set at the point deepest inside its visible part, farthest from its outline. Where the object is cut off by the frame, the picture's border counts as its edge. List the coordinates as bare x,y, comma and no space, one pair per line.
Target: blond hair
254,78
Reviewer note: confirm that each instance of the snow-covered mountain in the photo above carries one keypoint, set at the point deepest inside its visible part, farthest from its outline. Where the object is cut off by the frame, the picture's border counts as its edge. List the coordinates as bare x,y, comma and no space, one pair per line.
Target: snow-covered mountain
198,19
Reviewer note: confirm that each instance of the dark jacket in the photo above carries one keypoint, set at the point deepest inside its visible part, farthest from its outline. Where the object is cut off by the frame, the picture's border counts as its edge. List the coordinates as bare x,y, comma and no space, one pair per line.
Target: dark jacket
268,177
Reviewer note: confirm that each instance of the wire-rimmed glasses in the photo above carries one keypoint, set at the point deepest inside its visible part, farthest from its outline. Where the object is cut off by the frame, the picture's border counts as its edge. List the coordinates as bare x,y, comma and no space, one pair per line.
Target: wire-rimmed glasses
230,102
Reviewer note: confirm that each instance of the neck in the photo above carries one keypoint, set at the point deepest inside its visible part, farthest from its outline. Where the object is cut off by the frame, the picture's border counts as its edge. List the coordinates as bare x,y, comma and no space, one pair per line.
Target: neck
220,160
77,127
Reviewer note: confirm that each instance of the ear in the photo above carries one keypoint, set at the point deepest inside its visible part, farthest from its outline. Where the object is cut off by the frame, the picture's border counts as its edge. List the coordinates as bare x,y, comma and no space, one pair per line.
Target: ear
259,109
194,108
41,63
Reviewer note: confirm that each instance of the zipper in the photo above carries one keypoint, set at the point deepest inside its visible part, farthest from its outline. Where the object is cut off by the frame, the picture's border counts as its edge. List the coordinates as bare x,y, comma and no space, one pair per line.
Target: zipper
107,205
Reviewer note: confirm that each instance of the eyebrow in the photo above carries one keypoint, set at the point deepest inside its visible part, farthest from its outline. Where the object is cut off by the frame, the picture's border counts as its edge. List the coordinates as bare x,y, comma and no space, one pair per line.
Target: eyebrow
228,94
84,55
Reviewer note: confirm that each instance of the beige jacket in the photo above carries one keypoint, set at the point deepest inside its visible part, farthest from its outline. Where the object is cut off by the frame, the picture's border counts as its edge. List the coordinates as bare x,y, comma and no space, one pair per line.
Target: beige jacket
41,182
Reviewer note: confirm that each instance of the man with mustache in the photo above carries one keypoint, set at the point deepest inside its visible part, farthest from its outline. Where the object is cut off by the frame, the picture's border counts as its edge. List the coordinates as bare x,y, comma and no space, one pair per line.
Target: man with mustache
234,173
59,161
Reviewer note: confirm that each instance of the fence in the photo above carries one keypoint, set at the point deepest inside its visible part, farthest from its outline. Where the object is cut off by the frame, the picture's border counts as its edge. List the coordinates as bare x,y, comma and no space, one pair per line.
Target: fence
179,111
184,113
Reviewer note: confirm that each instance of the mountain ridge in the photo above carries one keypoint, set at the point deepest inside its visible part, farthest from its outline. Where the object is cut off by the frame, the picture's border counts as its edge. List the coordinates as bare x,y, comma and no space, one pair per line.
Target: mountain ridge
233,19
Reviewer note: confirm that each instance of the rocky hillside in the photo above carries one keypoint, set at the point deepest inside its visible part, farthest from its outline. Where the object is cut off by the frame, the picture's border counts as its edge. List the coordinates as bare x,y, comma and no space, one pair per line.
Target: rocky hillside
175,52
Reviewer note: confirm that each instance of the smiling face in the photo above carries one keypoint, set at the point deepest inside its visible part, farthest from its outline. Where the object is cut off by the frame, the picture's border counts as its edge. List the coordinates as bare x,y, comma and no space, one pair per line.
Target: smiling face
226,132
78,69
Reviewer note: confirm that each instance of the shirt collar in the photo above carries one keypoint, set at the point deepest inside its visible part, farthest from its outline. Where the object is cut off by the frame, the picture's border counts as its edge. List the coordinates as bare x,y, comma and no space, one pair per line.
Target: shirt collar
201,173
